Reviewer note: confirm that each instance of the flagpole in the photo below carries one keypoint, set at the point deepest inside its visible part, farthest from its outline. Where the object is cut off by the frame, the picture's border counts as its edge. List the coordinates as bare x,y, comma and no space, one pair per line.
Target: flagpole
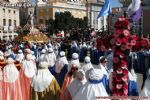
35,11
108,24
105,12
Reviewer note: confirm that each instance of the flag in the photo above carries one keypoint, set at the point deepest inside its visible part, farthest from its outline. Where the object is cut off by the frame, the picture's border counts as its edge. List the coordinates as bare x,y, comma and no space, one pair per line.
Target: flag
105,9
136,16
134,10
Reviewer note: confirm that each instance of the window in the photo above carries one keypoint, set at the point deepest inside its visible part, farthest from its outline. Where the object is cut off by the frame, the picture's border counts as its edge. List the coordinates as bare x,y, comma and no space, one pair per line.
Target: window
10,36
4,31
4,10
46,21
15,23
9,21
4,37
9,11
4,22
41,21
14,12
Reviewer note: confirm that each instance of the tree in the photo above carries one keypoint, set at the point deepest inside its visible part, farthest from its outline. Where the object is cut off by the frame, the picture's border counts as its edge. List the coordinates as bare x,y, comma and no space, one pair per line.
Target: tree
50,26
65,21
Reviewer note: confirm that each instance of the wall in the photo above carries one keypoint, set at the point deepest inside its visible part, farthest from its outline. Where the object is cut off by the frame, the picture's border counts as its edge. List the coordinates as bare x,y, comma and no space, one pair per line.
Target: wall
146,21
12,14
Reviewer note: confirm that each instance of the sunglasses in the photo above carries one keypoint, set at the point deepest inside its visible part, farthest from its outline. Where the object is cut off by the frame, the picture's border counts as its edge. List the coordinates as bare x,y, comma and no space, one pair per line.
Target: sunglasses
105,61
74,68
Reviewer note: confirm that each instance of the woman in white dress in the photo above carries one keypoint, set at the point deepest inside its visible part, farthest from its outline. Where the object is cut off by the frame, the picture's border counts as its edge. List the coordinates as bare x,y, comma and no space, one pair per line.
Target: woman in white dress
93,88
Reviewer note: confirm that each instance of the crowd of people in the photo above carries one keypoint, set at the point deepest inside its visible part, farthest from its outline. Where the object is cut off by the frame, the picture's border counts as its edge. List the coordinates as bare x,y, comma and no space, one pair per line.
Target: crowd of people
66,71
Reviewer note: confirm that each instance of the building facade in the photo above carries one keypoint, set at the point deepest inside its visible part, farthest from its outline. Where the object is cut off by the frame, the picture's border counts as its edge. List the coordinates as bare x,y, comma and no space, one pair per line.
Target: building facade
142,27
116,12
9,19
94,22
77,9
146,14
45,12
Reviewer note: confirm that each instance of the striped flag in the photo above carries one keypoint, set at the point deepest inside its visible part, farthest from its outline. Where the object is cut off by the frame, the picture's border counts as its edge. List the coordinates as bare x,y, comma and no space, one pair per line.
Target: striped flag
105,9
134,10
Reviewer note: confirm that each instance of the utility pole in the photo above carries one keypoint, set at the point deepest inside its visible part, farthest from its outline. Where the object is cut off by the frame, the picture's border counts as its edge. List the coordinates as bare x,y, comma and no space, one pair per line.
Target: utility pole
87,11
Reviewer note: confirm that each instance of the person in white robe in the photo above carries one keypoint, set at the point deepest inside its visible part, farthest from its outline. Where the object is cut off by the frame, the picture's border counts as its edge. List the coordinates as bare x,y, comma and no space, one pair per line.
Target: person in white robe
77,83
87,66
42,56
74,48
56,49
27,71
9,52
93,88
102,66
12,86
29,66
83,52
132,84
1,67
29,52
44,85
2,64
75,59
33,55
51,57
80,45
49,45
19,56
106,72
45,47
84,45
74,44
70,76
146,89
61,68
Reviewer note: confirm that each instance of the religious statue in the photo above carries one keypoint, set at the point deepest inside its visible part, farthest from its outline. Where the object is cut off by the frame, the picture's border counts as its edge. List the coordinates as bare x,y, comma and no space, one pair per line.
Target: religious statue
32,20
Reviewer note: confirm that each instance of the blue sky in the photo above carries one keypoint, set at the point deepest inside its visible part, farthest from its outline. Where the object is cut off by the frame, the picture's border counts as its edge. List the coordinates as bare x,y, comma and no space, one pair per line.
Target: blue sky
115,3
